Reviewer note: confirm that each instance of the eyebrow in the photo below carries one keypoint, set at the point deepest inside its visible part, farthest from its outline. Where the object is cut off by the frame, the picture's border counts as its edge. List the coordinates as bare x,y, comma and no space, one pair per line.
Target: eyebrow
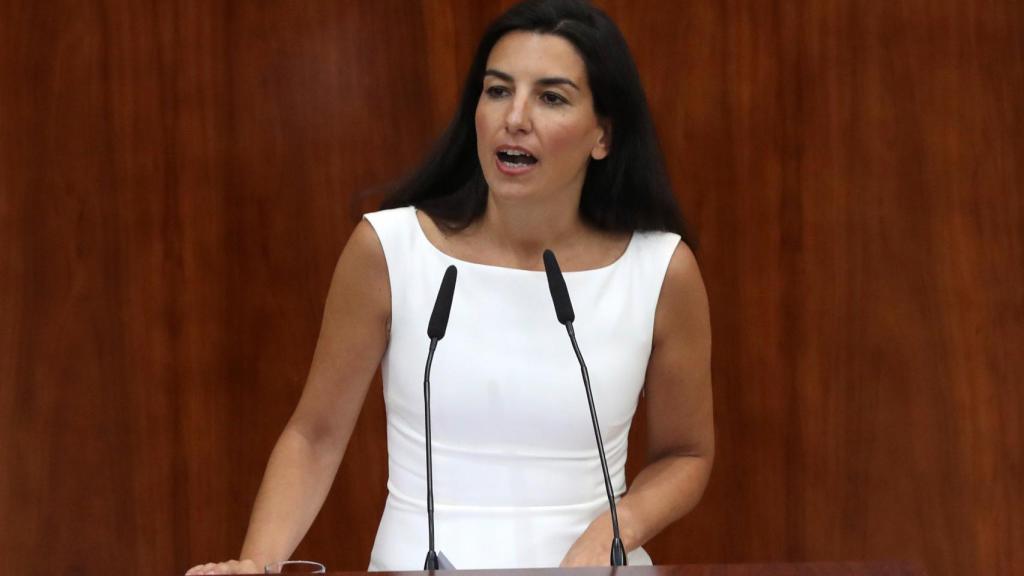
552,81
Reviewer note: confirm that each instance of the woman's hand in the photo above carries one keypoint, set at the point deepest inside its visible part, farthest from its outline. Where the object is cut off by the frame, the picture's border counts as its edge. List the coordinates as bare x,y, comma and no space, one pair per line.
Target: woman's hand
588,551
594,546
229,567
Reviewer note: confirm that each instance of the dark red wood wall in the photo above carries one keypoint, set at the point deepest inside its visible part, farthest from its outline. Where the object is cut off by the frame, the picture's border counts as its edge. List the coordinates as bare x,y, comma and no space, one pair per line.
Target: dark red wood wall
178,178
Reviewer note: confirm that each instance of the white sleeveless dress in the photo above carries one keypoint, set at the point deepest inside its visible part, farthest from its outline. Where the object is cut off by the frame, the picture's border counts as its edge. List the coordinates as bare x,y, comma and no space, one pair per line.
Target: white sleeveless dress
517,477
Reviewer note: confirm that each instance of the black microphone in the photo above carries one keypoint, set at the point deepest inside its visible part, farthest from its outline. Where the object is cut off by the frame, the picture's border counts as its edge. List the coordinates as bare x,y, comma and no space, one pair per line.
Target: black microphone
443,305
565,314
435,330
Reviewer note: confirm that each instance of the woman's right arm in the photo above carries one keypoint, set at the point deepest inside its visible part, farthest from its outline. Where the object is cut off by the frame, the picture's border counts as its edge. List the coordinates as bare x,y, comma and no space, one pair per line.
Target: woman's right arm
302,466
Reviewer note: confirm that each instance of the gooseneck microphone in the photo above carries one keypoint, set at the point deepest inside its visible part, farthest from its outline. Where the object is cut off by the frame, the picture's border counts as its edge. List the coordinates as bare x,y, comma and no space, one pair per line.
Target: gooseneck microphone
565,315
435,330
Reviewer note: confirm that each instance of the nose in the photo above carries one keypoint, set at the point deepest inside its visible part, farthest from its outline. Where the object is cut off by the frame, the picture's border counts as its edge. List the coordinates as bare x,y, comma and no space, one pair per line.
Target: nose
517,116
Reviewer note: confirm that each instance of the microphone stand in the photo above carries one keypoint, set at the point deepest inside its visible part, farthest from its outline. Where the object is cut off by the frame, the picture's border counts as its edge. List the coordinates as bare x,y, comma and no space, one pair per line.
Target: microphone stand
618,555
564,313
431,562
435,331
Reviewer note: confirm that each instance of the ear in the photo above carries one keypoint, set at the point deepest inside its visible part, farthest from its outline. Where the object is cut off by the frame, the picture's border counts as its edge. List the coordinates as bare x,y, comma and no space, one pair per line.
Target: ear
604,143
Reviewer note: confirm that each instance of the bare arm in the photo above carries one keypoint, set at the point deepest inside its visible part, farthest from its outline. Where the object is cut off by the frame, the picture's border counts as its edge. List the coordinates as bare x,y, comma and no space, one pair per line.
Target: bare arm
680,432
302,466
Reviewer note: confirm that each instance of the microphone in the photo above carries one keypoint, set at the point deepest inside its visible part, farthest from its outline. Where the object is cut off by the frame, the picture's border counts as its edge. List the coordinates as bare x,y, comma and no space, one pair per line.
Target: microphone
435,331
565,315
442,305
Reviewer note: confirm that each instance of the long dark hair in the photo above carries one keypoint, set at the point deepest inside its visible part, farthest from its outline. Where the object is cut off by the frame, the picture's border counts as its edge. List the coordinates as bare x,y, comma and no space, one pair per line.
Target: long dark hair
626,191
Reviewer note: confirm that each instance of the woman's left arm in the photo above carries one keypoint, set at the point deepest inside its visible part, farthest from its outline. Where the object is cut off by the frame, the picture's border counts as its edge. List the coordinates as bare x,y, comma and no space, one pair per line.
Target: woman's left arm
680,422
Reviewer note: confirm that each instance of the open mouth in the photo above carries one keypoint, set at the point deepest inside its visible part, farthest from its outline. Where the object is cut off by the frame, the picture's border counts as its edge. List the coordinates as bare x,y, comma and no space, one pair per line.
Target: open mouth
515,158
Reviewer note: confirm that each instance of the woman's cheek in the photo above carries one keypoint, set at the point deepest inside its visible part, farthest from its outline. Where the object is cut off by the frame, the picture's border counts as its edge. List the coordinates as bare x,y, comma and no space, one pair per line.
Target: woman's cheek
567,137
558,135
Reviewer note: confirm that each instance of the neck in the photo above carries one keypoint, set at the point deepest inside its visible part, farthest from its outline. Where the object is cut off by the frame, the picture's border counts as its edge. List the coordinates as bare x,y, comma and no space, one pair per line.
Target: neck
521,231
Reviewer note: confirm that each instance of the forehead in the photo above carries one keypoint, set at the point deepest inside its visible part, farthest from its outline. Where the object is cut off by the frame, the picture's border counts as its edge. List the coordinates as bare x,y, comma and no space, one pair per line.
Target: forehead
531,55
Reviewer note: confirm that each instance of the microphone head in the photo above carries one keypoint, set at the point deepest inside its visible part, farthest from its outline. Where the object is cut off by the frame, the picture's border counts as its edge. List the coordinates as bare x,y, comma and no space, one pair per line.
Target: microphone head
559,293
443,305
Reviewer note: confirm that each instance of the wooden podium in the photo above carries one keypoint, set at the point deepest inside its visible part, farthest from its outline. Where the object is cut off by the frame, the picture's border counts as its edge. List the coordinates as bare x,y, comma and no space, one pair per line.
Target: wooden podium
780,569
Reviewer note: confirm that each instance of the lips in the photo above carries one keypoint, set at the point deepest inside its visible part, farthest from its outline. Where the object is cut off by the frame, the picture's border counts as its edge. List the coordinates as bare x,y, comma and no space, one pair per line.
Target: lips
514,159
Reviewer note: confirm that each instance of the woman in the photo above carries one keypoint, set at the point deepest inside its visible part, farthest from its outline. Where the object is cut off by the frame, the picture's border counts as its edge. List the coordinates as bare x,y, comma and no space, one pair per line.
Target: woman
552,147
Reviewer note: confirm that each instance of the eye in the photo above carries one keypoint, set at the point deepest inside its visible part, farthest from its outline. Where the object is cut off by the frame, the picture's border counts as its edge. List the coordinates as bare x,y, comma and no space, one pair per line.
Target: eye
553,99
496,91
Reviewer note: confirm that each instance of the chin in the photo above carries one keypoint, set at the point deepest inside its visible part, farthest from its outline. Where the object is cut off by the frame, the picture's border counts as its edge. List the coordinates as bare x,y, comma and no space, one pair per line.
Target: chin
500,190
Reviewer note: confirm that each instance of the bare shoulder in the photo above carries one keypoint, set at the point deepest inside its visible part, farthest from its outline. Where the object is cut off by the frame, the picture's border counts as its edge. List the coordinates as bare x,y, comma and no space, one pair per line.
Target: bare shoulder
353,337
683,302
364,249
362,269
679,399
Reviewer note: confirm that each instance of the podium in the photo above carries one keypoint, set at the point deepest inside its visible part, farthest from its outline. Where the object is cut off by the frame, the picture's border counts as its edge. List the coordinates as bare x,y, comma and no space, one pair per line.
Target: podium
775,569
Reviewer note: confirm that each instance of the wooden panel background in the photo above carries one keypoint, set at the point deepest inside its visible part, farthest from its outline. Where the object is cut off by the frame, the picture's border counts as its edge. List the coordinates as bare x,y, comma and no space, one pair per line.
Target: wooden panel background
177,179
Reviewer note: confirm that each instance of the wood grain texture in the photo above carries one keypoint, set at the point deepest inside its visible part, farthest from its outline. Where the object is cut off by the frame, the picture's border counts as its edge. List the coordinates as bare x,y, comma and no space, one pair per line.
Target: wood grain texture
178,178
776,569
854,172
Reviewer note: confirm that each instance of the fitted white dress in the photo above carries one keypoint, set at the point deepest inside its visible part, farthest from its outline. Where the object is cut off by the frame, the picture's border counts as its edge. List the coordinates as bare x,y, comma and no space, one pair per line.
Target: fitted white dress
517,477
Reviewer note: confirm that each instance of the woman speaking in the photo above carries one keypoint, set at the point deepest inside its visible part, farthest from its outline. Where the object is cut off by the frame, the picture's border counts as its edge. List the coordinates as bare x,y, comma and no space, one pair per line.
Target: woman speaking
552,147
